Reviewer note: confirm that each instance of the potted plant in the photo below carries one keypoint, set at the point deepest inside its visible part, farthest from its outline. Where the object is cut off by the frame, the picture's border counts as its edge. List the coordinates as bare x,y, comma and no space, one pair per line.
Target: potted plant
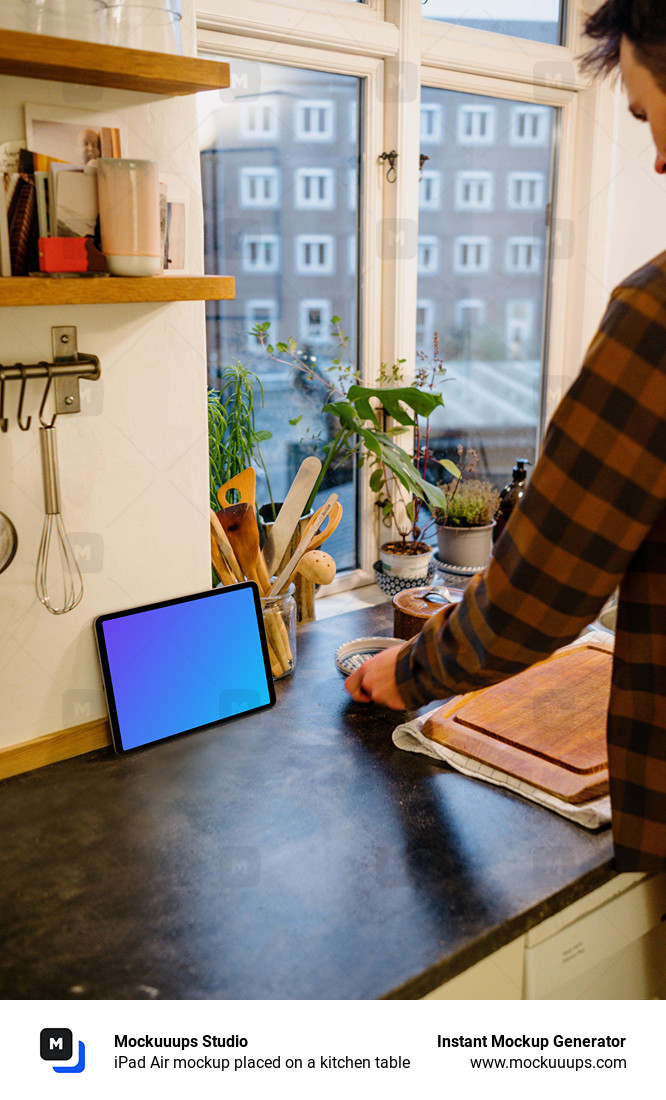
366,420
465,523
233,440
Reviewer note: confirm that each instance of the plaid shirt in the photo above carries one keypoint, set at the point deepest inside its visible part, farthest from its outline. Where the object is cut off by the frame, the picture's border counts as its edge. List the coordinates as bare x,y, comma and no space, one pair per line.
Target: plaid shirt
593,517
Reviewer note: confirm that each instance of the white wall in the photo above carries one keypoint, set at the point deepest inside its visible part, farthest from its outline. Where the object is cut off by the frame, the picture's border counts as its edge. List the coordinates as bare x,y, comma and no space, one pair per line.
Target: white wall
637,223
133,463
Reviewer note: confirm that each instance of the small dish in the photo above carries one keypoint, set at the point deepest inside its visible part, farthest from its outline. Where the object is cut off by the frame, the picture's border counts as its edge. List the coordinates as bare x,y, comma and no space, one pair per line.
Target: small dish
457,570
351,655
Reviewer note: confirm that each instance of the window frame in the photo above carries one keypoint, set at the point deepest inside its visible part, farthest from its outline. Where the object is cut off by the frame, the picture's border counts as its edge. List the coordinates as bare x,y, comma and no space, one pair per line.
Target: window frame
380,42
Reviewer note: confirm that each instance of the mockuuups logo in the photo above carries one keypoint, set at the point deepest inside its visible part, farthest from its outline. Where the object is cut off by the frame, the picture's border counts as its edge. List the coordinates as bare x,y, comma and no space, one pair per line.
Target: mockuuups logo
56,1045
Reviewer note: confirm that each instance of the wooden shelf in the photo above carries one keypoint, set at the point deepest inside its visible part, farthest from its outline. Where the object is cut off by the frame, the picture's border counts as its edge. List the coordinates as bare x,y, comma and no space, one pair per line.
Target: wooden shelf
160,288
75,62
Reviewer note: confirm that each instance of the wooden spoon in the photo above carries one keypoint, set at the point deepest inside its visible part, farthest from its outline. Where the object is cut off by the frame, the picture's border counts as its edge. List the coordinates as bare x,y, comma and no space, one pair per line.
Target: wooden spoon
317,566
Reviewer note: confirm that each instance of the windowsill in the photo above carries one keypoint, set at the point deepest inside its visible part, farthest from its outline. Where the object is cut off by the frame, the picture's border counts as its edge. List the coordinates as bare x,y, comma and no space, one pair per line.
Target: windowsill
352,600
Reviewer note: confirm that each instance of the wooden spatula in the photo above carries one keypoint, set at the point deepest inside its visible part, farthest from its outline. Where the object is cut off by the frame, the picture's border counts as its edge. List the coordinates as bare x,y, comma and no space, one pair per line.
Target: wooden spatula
291,511
316,522
245,484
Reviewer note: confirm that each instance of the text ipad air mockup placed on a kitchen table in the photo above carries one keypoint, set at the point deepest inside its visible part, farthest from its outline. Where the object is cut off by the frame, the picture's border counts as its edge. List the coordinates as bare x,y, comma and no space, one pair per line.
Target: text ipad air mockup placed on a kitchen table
183,665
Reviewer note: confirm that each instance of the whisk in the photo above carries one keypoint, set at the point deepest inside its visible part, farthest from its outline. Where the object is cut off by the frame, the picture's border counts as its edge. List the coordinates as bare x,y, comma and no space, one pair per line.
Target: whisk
56,557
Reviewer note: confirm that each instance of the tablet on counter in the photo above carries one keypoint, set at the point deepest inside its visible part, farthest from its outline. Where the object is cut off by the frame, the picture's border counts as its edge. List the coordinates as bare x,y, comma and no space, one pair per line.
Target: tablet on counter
184,665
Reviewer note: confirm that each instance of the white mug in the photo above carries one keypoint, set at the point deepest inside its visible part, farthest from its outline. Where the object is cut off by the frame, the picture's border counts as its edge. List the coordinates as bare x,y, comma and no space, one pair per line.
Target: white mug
129,215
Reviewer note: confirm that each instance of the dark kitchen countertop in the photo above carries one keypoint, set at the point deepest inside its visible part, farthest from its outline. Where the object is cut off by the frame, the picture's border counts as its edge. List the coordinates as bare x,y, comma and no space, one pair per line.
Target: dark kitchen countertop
297,854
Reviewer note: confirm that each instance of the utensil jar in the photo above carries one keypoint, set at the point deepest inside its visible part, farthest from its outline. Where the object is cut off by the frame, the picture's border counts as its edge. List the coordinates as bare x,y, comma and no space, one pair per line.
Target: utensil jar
279,613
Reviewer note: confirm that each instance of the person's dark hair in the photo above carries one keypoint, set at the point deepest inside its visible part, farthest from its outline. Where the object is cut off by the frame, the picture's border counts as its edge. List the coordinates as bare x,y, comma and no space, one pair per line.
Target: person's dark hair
642,22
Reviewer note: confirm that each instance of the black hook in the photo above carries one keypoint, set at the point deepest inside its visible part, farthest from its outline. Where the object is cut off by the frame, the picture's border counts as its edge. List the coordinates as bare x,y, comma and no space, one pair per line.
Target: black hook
392,174
51,422
4,423
19,415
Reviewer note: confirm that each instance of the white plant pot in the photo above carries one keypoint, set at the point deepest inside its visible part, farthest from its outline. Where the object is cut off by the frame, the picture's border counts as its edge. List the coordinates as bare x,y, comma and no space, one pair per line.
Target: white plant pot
405,565
465,546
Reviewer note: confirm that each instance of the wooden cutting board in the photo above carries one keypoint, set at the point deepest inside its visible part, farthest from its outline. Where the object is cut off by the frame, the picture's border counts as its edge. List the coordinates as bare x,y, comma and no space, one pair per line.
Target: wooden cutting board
547,725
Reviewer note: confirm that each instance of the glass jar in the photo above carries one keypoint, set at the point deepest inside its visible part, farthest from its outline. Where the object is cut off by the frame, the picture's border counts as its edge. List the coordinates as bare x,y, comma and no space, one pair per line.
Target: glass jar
279,614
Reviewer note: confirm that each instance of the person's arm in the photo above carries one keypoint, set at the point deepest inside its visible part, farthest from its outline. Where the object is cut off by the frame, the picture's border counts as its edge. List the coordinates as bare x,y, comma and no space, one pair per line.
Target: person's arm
597,489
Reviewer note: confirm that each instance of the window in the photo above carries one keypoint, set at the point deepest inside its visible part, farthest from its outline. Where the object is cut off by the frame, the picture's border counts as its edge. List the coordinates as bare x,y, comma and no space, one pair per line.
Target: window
467,243
261,253
541,23
525,191
315,255
428,256
315,320
259,121
431,122
259,187
523,256
425,323
429,190
314,189
520,328
469,312
529,125
476,125
257,311
471,254
474,191
314,120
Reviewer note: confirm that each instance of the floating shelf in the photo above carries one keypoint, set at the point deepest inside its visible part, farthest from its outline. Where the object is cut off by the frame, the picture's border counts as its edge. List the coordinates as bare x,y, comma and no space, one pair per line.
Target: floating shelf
75,62
160,288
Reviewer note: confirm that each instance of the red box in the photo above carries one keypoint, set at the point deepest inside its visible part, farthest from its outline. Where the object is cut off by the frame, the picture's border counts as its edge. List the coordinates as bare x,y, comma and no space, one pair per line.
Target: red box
69,254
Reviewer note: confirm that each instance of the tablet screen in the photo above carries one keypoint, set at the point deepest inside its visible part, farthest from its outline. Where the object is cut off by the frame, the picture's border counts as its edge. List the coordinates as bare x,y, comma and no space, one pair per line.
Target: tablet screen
184,664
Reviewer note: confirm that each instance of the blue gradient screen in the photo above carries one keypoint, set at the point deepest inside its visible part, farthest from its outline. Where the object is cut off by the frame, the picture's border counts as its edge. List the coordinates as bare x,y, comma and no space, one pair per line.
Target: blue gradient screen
173,668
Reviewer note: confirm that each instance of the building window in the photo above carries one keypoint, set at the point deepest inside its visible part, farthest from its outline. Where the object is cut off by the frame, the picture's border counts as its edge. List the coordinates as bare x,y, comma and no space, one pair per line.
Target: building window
470,312
315,320
314,189
471,255
529,125
476,125
523,255
425,324
259,187
525,191
519,328
430,190
431,122
260,253
257,311
315,255
474,191
352,249
428,255
352,187
314,120
259,121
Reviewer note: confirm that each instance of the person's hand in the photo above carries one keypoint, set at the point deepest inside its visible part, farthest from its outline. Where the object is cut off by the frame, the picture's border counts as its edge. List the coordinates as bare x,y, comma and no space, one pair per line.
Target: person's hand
375,681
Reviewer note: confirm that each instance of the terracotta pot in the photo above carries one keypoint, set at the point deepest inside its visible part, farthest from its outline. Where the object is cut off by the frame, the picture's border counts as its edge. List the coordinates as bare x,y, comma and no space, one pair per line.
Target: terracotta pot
465,546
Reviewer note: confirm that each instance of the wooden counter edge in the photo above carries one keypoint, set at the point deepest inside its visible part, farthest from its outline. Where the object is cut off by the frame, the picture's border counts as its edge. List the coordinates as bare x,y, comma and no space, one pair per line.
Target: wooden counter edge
52,747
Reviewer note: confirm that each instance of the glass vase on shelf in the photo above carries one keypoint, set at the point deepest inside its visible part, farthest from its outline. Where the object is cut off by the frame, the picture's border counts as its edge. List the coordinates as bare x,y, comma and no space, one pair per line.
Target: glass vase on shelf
72,19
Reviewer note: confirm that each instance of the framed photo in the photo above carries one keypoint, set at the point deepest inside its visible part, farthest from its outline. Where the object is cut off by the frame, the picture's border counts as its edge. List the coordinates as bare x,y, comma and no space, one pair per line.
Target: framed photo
174,215
71,135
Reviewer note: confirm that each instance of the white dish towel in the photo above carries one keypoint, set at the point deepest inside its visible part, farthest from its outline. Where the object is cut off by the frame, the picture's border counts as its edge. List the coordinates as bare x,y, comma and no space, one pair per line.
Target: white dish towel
591,815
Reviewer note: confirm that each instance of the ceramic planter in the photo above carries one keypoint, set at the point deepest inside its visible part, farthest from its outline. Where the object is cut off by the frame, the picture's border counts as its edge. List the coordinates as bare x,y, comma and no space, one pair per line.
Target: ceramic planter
465,546
409,566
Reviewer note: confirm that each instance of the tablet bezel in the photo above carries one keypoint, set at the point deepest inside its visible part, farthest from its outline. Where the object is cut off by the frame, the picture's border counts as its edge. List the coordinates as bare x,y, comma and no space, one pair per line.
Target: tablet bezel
214,593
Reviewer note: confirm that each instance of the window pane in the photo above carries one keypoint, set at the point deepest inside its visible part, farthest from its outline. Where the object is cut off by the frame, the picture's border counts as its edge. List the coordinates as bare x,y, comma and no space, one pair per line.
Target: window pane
482,274
541,24
280,171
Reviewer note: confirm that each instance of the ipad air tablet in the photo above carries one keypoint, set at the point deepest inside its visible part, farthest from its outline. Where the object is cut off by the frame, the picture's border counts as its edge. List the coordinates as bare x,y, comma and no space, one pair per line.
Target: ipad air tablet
184,665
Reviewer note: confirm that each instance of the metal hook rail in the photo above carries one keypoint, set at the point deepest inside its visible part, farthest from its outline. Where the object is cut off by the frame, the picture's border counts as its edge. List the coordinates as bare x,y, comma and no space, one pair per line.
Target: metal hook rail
63,374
